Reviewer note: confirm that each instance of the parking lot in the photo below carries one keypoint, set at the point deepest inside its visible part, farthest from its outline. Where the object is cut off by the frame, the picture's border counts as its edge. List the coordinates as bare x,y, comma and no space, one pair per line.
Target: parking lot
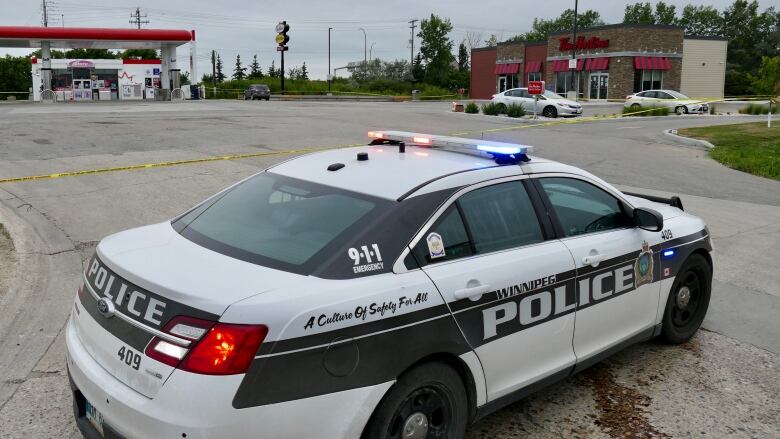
723,383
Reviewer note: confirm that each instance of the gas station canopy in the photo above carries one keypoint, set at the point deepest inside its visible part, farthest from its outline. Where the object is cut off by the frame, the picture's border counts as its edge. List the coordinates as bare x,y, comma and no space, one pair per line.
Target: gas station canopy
93,37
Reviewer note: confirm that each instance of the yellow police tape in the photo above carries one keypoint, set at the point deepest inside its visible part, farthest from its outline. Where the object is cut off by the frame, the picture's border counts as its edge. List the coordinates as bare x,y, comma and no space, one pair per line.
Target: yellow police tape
322,148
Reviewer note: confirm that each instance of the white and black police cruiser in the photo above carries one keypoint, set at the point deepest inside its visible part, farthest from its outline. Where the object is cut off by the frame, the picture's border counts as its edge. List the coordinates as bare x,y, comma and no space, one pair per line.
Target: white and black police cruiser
397,290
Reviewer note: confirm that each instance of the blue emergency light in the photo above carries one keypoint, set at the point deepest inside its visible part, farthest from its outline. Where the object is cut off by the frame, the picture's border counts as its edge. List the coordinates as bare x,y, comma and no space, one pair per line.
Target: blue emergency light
501,152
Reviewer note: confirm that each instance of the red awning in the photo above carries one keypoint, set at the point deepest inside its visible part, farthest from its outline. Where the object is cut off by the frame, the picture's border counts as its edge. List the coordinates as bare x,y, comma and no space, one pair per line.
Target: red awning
507,69
533,66
651,63
597,64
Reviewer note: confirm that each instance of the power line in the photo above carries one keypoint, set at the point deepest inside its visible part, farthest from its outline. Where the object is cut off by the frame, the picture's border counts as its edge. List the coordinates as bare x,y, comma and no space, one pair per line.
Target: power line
136,18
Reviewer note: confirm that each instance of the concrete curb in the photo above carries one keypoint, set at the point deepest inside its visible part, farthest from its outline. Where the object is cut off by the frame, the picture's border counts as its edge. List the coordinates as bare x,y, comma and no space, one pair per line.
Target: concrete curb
38,302
698,143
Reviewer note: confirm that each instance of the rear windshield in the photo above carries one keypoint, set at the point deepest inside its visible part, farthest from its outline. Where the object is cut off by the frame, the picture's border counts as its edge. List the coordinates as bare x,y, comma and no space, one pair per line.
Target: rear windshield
260,87
277,221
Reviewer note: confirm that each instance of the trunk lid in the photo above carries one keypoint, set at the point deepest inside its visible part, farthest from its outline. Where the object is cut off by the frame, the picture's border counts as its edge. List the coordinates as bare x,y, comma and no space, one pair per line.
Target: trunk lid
147,276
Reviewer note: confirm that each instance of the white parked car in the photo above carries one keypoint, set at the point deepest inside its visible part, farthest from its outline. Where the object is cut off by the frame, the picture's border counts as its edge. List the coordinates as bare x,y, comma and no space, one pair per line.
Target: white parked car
550,104
397,290
674,100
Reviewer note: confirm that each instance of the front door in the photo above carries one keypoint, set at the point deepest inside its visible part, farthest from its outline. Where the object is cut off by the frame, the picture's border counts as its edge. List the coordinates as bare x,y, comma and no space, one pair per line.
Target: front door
599,85
501,83
509,287
617,272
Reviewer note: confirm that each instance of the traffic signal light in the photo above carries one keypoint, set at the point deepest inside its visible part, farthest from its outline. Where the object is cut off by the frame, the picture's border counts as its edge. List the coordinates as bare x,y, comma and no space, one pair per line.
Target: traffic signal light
281,36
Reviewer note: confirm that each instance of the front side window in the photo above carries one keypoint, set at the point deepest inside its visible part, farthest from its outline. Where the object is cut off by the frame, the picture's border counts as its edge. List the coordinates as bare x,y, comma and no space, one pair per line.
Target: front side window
485,220
582,207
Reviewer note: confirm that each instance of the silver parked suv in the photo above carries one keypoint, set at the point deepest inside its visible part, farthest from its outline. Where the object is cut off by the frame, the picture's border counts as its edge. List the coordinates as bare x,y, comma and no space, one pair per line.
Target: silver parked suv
257,91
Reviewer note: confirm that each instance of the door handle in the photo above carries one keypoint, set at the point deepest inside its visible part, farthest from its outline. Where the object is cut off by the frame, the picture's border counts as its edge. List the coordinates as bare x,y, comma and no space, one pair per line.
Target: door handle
593,259
473,293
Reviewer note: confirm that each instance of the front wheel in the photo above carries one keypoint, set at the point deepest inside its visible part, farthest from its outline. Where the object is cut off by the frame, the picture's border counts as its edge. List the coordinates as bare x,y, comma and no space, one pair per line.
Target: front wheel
635,107
429,401
550,111
688,300
680,110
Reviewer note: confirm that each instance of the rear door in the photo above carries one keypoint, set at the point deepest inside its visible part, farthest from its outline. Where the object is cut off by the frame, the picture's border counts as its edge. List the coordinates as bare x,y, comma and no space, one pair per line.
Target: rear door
509,286
616,268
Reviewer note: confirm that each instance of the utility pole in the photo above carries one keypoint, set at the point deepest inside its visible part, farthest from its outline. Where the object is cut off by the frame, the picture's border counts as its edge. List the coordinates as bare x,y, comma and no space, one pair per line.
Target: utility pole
214,71
45,14
574,53
329,78
413,24
136,18
62,17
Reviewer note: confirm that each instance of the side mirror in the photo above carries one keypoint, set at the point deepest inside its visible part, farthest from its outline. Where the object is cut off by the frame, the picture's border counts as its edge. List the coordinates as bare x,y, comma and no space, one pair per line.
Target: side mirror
648,219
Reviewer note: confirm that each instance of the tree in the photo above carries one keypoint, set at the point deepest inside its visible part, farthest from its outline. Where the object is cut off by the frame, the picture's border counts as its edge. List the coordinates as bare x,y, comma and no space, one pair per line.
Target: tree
436,49
748,34
239,72
565,22
418,69
90,54
767,82
139,54
15,74
639,13
255,72
492,41
701,21
473,40
463,57
665,14
272,70
220,75
184,78
304,73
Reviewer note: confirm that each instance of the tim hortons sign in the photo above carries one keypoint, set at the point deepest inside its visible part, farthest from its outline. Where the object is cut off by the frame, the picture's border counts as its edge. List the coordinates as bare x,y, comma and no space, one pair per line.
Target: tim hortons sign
582,43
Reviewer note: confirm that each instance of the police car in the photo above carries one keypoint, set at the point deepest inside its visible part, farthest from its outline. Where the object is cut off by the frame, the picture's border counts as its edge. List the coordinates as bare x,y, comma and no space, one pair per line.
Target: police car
401,289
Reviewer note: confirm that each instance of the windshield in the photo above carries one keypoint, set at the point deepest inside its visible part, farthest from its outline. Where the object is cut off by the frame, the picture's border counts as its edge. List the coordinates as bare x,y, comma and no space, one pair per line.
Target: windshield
677,95
274,220
552,95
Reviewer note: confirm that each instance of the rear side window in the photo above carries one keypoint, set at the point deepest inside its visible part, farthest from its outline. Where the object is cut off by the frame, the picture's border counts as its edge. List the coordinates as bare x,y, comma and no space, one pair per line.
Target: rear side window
582,207
274,220
485,220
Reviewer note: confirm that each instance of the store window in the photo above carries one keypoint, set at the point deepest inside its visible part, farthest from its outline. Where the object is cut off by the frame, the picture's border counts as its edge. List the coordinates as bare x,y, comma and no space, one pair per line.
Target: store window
505,82
563,82
648,80
535,76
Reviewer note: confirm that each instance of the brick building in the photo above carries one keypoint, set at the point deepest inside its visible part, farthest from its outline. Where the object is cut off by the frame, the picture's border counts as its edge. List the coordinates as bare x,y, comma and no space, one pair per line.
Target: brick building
612,61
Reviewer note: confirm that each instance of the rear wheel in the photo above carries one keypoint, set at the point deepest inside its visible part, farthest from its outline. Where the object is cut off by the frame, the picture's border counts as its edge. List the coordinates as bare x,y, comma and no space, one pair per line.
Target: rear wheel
550,111
681,109
688,300
429,401
501,107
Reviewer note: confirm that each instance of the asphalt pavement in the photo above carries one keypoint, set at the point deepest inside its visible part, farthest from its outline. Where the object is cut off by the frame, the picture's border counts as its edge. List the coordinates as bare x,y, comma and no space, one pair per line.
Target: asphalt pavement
57,222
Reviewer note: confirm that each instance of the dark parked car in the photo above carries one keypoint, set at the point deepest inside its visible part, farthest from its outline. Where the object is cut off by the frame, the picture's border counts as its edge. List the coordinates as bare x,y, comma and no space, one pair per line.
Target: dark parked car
257,91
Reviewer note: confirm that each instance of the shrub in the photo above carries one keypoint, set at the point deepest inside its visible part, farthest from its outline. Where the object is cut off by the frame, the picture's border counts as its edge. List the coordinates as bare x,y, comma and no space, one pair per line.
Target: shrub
515,110
471,108
647,111
713,110
491,109
501,107
758,109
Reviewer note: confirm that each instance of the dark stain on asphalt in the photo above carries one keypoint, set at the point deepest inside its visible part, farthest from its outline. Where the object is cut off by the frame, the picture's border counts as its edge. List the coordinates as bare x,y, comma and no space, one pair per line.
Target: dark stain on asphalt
42,141
622,411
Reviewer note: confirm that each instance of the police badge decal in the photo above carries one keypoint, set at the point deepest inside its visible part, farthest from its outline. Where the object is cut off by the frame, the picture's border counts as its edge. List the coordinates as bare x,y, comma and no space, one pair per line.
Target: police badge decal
643,267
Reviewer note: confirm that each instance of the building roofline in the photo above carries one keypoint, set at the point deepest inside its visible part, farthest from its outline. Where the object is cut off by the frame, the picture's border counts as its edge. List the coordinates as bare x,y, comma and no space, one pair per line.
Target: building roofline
704,37
617,25
483,49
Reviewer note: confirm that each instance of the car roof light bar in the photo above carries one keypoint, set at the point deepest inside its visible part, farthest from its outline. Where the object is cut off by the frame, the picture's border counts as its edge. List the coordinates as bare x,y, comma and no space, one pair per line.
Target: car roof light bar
501,152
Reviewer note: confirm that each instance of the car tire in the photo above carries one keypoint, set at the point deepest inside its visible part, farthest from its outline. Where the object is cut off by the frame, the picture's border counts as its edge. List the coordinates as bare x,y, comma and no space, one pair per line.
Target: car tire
635,107
688,300
267,99
430,400
681,109
550,111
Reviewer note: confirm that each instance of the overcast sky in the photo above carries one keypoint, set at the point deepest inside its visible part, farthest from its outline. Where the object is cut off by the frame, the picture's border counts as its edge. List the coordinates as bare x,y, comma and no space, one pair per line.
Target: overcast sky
246,27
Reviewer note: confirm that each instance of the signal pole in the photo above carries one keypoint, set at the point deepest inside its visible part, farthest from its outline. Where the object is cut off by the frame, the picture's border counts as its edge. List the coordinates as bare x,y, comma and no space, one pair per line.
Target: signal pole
45,14
136,18
413,24
329,78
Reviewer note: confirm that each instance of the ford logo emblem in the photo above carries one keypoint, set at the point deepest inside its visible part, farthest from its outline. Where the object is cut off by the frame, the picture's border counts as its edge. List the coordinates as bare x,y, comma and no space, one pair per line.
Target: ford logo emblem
105,307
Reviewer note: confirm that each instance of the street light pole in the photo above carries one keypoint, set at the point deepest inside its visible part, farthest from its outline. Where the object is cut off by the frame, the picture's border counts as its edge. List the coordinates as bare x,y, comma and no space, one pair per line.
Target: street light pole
365,46
574,53
370,52
329,78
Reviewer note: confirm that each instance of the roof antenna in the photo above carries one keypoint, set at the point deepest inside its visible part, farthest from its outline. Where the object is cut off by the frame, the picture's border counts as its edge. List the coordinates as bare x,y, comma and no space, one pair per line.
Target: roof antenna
402,147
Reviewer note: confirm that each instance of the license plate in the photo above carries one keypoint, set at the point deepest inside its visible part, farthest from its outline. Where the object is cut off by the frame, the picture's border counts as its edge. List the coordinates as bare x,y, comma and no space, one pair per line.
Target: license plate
95,418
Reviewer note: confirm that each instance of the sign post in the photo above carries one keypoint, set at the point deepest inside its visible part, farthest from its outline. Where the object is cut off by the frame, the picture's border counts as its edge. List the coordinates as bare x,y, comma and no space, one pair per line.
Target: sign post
535,89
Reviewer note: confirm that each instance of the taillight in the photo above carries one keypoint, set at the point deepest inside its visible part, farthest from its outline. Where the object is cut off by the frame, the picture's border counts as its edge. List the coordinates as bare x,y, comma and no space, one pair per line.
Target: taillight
225,350
214,348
